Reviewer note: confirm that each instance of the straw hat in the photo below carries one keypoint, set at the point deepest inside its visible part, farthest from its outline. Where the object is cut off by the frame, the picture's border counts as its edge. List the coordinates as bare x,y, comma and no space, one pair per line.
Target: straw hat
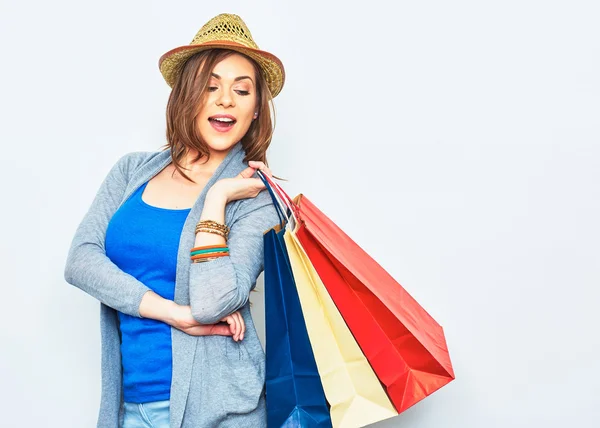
230,32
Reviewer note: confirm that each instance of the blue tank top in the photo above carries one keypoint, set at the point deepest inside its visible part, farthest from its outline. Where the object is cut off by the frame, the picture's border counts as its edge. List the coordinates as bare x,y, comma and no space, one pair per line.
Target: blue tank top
143,241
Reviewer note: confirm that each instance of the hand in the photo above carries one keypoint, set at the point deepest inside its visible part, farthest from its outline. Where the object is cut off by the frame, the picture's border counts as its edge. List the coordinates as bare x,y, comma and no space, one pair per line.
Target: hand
243,185
237,325
181,318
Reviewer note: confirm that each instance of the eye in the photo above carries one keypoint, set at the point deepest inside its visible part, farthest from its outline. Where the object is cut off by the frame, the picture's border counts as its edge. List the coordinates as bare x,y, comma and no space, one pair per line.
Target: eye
240,92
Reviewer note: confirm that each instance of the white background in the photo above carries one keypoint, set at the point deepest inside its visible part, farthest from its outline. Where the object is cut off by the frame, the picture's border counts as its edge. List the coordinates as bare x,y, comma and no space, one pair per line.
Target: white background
469,131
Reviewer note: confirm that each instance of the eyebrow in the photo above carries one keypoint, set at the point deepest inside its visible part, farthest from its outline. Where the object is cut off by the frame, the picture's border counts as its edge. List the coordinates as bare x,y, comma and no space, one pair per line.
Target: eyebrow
235,80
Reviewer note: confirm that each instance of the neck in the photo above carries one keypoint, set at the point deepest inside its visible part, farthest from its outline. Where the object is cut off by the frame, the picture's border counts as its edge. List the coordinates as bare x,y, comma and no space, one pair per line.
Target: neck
202,166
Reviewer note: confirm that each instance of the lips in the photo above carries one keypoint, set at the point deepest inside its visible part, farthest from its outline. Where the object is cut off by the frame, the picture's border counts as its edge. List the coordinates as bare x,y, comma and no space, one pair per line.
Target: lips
221,126
222,122
226,117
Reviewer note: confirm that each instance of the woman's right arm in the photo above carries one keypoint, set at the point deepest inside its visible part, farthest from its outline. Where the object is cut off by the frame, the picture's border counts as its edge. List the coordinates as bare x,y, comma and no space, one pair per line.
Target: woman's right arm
89,269
87,266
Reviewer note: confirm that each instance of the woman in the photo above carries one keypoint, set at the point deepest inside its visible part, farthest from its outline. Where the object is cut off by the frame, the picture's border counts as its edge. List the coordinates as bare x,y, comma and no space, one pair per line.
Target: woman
172,245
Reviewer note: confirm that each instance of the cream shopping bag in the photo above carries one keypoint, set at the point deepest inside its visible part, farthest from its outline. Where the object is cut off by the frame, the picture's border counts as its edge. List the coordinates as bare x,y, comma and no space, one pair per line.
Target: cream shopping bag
354,392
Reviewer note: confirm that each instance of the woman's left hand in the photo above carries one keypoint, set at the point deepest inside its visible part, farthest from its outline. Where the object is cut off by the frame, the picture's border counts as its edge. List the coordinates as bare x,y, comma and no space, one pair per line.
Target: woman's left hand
243,185
237,326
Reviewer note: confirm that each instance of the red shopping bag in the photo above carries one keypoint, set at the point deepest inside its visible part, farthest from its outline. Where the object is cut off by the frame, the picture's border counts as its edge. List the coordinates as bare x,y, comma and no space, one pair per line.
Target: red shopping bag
405,346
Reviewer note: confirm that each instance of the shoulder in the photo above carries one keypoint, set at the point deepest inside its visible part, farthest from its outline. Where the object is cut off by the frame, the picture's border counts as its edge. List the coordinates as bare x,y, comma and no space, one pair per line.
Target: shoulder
131,161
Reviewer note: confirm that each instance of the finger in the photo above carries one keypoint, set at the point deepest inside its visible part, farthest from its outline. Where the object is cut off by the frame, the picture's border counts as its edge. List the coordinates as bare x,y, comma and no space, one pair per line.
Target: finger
240,322
208,330
243,327
257,164
235,326
261,165
238,325
230,324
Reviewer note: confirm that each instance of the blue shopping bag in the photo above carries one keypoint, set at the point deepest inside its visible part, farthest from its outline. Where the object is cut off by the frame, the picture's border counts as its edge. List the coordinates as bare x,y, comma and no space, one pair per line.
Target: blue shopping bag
294,393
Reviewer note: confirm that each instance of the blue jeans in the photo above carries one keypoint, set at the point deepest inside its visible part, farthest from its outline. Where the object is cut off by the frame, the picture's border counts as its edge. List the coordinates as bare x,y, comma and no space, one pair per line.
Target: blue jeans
147,415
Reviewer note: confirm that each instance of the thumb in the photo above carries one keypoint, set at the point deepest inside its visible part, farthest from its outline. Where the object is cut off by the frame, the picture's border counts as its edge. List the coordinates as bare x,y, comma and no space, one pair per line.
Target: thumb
247,173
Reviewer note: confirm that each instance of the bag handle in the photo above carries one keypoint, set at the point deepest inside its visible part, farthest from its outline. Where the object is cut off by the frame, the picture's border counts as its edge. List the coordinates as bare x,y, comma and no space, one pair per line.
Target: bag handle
276,191
288,202
276,202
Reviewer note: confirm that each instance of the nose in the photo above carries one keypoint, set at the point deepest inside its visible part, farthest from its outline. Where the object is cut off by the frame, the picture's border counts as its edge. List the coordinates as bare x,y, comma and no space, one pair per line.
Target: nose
225,99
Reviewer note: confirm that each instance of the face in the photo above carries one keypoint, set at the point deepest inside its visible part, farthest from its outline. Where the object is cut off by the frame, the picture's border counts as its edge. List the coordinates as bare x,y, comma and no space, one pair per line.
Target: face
231,95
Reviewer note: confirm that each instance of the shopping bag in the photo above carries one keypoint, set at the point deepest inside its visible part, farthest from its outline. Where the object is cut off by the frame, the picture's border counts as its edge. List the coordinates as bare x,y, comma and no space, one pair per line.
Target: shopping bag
356,396
294,394
405,346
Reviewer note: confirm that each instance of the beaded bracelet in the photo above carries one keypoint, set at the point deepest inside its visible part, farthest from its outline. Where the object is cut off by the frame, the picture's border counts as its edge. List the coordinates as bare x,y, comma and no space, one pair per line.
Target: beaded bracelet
209,226
216,232
213,223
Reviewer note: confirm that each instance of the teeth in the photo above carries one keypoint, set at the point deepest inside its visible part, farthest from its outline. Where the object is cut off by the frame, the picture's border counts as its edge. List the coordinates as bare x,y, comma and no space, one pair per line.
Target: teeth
222,119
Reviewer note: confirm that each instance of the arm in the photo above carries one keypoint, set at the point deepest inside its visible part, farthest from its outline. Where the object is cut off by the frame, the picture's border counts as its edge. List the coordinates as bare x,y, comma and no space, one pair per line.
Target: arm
87,266
222,286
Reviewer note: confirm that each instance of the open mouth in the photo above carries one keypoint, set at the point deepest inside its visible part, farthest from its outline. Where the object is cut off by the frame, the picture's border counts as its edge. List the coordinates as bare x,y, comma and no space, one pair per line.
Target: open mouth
222,124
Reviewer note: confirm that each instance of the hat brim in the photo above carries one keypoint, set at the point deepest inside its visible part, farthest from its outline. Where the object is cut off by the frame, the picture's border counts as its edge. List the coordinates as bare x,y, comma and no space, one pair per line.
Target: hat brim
171,62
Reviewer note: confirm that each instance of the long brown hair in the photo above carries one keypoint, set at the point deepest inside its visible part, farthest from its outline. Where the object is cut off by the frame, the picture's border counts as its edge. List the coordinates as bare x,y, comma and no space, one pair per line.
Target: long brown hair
187,98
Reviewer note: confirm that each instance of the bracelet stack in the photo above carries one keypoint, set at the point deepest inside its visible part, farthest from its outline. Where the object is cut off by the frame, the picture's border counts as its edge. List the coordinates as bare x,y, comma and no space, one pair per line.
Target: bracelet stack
208,252
211,226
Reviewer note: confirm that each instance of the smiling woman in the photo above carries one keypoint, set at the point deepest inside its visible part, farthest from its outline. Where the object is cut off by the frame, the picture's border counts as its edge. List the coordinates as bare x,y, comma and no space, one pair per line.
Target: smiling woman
172,244
228,93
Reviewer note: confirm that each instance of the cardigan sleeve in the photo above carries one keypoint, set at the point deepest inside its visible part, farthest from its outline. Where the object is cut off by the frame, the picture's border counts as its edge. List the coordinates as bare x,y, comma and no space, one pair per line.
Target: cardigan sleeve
87,266
222,286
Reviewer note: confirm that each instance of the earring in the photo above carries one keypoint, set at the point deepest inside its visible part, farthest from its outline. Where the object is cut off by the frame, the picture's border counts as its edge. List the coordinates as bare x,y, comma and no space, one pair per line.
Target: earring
255,114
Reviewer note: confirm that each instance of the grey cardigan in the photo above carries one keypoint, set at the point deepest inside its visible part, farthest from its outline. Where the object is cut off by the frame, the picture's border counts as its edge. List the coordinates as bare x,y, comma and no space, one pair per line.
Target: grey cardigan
216,381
